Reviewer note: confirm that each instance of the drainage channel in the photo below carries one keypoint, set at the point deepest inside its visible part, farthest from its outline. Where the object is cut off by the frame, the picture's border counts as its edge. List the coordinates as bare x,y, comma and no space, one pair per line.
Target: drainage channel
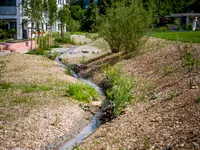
96,120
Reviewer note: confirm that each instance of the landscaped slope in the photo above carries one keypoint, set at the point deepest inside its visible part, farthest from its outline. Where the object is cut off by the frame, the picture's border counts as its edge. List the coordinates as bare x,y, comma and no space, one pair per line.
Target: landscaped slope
34,110
166,112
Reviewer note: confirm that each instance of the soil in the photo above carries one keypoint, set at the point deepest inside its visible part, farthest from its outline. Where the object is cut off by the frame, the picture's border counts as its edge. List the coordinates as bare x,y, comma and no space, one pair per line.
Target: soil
47,122
165,114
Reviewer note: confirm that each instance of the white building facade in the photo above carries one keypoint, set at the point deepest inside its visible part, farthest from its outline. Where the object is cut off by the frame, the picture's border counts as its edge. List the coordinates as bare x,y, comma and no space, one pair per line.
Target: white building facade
11,12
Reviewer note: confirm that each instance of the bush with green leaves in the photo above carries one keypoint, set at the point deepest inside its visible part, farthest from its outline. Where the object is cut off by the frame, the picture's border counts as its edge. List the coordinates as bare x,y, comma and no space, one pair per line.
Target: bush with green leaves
119,92
73,25
162,29
198,99
64,40
189,27
124,26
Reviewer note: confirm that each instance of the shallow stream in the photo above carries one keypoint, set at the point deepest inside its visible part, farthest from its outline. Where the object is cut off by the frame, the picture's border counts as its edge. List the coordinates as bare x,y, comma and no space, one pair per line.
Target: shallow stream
96,120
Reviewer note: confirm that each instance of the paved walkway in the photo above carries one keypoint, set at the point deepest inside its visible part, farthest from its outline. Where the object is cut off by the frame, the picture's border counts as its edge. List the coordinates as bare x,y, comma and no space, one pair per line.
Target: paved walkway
4,53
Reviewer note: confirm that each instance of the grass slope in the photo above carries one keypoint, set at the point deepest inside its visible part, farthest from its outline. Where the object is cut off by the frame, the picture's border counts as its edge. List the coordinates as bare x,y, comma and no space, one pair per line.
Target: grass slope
192,36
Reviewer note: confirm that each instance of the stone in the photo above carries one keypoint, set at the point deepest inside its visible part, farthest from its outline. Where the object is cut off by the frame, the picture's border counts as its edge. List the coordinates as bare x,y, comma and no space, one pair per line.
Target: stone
96,103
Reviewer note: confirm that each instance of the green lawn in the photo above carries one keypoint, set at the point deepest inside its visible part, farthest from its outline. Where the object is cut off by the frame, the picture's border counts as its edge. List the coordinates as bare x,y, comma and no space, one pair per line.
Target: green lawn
191,36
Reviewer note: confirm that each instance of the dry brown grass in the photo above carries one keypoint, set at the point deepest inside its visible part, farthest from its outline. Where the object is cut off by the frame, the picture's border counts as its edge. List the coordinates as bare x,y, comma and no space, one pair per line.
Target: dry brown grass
33,109
30,81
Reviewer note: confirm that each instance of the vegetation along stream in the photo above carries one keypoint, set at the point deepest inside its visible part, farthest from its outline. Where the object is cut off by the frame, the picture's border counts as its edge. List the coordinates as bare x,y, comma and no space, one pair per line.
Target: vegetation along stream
97,119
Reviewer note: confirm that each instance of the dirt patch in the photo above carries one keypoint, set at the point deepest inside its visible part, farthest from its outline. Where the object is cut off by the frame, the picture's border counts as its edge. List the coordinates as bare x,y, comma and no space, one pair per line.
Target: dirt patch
165,114
34,110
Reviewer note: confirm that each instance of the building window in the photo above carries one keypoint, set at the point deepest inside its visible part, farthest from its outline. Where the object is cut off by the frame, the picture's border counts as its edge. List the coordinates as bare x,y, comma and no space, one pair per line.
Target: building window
12,25
7,2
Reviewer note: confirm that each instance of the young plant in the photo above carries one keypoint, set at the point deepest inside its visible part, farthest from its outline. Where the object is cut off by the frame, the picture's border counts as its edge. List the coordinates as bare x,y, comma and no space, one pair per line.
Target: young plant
172,95
198,99
168,69
120,88
68,70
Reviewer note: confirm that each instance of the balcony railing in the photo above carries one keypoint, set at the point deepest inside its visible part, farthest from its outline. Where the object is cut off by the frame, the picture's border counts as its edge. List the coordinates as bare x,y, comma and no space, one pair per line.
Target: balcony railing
8,10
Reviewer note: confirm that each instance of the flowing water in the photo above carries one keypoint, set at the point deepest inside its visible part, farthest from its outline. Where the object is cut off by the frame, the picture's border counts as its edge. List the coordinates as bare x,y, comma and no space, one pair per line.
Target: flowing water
95,122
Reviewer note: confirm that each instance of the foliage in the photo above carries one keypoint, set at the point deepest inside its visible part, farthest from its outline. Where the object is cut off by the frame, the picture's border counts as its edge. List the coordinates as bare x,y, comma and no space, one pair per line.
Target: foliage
90,19
190,61
189,27
162,29
198,99
50,10
68,70
37,52
52,56
25,88
172,95
63,17
64,40
120,88
44,43
168,69
43,52
77,13
190,56
33,9
193,37
124,27
171,6
82,92
73,25
103,5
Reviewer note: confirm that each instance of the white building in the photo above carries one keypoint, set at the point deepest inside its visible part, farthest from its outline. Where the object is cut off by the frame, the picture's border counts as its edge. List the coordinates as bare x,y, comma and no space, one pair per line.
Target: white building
11,11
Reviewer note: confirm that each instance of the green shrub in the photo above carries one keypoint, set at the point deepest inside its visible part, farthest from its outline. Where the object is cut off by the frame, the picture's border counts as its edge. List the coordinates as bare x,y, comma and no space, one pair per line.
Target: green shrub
189,27
68,70
124,26
73,25
178,28
120,88
198,99
37,52
52,56
190,61
82,92
162,29
172,95
64,40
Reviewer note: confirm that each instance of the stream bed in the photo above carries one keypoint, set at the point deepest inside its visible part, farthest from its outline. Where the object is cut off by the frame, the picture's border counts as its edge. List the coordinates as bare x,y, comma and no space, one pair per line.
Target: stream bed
96,120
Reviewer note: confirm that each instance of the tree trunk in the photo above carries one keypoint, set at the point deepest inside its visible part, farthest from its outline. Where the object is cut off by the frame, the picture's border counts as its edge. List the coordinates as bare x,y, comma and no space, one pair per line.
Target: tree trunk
62,33
38,32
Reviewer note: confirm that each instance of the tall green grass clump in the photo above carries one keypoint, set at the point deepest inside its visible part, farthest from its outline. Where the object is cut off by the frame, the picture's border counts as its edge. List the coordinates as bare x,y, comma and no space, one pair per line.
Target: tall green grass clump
119,92
82,92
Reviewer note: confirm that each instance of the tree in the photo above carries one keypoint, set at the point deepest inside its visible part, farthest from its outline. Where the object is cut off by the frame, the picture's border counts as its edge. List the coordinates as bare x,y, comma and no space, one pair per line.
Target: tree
34,10
103,5
63,16
77,13
124,26
50,12
90,18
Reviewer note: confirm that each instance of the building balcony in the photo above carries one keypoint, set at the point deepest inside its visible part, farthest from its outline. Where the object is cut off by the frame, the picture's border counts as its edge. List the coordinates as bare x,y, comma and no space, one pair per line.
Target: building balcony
8,10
